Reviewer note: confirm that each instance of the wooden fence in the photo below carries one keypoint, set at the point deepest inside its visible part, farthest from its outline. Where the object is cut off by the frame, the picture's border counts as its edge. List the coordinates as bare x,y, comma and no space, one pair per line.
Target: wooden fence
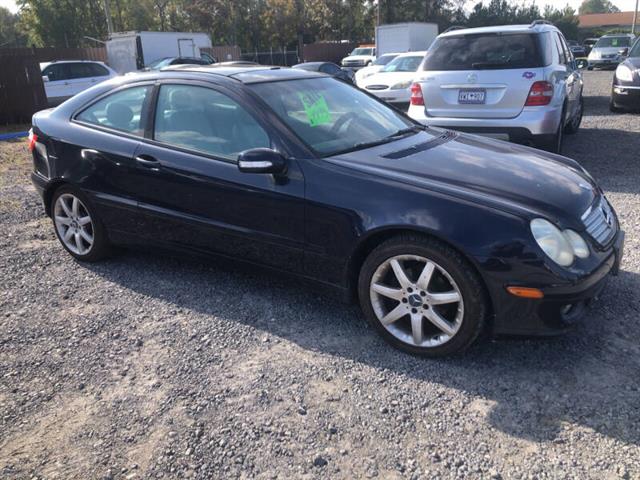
48,54
21,88
327,51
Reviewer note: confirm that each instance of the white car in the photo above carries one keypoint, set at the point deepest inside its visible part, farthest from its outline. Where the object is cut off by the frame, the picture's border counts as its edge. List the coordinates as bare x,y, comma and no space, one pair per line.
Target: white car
63,79
393,83
378,65
359,58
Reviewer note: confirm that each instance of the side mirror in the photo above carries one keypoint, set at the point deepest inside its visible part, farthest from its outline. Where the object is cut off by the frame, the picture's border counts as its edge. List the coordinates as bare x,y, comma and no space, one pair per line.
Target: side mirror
623,52
45,78
262,160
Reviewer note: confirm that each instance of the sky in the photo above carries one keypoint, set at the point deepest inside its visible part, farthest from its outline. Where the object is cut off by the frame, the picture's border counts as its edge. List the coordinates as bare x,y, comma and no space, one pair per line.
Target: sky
624,5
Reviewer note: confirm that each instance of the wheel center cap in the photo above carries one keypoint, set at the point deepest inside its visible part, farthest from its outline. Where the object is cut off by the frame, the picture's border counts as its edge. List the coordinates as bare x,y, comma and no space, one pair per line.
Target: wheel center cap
415,300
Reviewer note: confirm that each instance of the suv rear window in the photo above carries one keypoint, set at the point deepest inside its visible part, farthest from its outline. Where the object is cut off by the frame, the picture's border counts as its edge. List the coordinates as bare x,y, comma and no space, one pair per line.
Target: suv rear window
486,51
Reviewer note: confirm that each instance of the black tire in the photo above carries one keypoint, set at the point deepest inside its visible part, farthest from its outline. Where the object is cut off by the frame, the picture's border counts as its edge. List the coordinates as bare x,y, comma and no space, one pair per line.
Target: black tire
555,141
589,68
474,297
574,125
613,108
101,246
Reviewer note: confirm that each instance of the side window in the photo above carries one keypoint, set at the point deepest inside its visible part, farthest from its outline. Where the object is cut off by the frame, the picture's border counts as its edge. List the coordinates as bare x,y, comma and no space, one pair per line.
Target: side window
97,70
330,69
79,70
561,51
567,51
56,72
202,119
121,111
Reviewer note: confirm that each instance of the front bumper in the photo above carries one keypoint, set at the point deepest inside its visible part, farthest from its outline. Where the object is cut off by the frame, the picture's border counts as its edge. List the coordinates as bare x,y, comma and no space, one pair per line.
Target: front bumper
563,304
605,62
626,96
401,95
532,125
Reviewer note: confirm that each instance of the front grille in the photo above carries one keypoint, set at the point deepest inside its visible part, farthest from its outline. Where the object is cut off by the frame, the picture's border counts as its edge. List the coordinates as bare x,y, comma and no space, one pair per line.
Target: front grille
600,222
353,63
377,87
609,55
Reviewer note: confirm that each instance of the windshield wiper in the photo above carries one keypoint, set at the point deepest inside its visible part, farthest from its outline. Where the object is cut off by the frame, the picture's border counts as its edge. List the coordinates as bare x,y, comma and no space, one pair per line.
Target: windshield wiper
405,131
388,139
489,64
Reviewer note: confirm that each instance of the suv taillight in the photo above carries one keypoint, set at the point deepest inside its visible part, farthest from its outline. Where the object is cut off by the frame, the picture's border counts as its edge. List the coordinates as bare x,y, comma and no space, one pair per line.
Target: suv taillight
416,94
540,94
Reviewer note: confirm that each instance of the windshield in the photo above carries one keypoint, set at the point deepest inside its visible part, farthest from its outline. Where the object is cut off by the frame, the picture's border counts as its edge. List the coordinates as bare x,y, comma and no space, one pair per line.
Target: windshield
485,51
384,59
330,116
612,42
362,51
404,64
635,51
160,63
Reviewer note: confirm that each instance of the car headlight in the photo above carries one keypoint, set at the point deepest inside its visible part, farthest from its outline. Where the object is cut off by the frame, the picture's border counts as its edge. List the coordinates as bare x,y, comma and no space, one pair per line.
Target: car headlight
624,73
560,246
401,85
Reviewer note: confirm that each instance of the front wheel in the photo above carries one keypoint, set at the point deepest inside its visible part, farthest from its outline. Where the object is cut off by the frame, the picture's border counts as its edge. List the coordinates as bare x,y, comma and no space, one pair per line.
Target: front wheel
422,296
77,225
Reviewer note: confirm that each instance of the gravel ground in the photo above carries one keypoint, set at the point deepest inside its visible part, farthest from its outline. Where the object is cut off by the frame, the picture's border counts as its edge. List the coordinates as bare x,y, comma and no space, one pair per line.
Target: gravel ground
153,367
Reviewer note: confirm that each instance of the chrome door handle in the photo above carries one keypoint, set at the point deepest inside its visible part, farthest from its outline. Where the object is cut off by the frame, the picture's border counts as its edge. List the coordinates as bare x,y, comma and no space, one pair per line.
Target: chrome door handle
149,162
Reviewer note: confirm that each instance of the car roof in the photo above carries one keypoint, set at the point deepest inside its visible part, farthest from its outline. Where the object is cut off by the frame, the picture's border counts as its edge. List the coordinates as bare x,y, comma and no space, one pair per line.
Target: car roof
412,54
529,28
618,35
247,73
44,65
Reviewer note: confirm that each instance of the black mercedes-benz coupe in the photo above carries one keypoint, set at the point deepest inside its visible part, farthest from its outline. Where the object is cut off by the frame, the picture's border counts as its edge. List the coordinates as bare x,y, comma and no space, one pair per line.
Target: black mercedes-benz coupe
439,235
625,91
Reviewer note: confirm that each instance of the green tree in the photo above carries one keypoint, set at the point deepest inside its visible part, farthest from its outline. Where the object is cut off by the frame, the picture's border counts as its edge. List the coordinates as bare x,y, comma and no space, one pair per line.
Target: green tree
597,6
10,35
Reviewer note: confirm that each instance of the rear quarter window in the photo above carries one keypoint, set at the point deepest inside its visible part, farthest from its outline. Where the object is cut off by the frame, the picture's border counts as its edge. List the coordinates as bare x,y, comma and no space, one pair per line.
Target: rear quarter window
486,51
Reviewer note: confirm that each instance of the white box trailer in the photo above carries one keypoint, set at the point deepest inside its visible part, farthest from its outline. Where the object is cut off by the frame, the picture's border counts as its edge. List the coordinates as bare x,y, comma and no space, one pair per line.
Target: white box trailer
405,37
131,51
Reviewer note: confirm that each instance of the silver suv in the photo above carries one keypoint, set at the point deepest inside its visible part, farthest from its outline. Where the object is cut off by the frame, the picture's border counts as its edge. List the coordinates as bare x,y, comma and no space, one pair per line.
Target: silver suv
610,50
517,83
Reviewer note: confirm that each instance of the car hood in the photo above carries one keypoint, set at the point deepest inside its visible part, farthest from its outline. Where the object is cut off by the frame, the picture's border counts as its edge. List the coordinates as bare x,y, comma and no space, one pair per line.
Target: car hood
388,78
494,173
358,57
633,63
605,51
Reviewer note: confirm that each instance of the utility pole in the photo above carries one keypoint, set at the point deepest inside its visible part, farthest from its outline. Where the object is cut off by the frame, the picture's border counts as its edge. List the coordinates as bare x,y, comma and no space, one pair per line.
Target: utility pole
635,18
107,13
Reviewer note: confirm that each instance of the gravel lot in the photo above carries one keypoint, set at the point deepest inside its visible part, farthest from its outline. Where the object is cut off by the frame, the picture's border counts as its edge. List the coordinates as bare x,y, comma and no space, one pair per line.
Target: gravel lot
153,367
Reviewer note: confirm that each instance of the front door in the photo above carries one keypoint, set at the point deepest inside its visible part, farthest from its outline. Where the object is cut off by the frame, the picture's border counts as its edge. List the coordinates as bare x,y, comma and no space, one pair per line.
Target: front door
192,193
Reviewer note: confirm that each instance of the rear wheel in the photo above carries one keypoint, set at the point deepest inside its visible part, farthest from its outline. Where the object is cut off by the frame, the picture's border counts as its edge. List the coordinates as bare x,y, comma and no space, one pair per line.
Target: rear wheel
77,225
554,143
422,296
574,125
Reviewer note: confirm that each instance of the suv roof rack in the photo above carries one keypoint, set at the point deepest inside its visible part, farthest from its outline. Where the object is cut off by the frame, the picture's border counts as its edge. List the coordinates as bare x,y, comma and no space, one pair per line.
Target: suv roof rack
454,27
540,22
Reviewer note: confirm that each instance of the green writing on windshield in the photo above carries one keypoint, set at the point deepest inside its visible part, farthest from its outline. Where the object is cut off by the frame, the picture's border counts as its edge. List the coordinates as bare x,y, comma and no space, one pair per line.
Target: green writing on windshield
316,108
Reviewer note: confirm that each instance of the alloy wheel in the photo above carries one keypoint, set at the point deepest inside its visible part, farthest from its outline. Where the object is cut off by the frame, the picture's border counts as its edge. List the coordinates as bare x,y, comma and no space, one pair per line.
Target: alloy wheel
73,224
416,300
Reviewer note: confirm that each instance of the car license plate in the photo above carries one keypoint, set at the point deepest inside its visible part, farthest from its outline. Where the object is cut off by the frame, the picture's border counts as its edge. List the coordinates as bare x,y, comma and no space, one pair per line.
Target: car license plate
473,97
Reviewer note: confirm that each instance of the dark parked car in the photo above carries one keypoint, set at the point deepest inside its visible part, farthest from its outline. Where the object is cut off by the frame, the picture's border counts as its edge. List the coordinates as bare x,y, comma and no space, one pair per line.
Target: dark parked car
440,235
578,50
328,68
588,44
625,92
